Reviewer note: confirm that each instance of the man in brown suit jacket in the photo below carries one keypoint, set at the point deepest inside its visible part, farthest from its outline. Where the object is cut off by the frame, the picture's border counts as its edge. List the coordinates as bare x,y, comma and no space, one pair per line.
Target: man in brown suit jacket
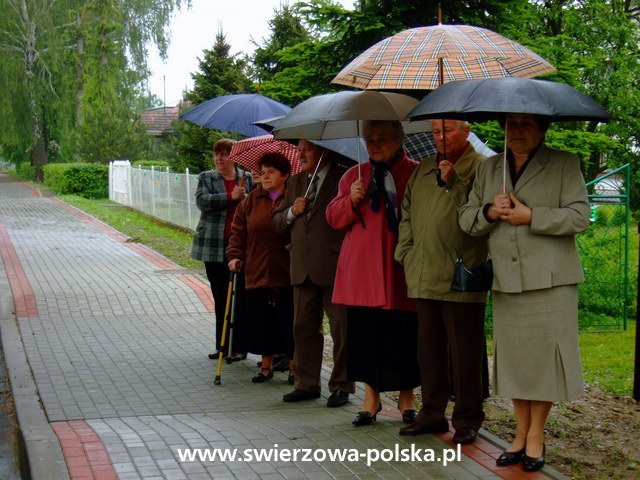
314,255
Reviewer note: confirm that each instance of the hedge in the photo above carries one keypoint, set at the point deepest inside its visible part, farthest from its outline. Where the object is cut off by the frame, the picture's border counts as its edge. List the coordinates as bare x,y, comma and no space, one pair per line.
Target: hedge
88,180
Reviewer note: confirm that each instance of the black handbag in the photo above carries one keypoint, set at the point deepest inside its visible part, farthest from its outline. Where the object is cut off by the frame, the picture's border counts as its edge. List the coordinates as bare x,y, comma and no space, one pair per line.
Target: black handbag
476,279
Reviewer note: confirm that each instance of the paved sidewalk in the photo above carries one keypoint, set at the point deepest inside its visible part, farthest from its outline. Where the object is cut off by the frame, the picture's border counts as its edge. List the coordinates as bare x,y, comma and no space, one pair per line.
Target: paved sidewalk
105,342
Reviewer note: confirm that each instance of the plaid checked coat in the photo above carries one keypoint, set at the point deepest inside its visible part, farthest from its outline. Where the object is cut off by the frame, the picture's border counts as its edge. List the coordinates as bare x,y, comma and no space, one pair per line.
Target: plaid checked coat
213,203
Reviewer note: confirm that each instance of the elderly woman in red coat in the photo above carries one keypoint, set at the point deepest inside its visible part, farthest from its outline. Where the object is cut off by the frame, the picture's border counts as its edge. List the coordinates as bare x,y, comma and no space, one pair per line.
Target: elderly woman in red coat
382,325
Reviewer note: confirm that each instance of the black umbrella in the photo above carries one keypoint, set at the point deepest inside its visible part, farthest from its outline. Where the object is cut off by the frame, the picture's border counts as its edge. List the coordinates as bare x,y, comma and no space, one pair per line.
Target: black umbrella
491,99
494,99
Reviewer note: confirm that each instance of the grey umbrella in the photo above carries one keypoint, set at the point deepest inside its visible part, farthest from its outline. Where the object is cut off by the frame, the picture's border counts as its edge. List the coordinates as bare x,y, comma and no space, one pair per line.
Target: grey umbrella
418,144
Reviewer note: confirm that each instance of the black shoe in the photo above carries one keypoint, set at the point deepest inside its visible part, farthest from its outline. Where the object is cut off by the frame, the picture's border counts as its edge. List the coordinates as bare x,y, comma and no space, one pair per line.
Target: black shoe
300,395
337,399
291,379
530,464
280,364
419,429
465,435
365,418
236,357
409,416
215,355
510,458
262,376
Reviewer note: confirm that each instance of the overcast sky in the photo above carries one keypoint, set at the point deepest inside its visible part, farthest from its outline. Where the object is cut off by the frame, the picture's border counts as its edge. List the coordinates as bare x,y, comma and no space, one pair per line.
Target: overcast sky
194,30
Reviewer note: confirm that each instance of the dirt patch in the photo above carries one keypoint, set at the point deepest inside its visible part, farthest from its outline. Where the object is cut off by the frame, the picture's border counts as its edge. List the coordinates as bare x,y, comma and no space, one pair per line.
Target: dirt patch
595,437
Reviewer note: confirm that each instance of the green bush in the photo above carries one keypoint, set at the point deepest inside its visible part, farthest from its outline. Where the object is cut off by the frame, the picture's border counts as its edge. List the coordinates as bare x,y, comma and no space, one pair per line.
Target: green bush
25,171
88,180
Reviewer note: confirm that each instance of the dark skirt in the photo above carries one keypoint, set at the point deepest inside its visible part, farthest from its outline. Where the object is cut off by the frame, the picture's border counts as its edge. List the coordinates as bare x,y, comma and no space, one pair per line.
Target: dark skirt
269,320
381,348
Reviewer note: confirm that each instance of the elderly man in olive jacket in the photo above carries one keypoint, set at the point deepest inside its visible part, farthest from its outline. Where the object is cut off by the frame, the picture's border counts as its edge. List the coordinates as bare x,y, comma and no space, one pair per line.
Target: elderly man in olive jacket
451,341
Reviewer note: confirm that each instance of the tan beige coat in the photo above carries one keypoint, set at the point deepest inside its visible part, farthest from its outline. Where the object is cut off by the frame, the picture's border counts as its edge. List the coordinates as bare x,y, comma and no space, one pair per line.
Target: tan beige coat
543,254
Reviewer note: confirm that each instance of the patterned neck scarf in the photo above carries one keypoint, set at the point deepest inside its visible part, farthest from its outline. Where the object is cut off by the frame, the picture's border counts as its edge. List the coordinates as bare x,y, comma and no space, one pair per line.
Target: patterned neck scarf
382,189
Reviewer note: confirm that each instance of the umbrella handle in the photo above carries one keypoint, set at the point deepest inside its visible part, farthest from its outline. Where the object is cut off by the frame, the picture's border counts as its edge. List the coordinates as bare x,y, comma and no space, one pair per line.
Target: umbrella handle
504,156
315,172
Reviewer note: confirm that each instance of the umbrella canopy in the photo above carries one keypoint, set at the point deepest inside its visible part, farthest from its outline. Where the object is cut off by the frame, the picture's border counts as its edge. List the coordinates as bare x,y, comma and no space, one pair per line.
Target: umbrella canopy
236,113
338,115
248,152
418,143
479,100
412,59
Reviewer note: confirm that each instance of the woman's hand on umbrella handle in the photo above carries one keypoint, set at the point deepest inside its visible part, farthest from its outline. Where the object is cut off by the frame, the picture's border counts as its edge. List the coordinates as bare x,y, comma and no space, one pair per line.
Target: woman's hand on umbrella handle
299,206
235,265
358,192
500,207
237,193
520,214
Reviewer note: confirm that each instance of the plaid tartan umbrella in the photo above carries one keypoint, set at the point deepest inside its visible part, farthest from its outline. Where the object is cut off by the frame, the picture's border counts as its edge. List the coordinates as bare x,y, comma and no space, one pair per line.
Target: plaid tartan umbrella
247,152
415,59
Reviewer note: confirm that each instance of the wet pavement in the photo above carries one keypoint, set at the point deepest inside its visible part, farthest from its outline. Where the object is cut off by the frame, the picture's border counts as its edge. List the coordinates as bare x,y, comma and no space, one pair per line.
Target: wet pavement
107,357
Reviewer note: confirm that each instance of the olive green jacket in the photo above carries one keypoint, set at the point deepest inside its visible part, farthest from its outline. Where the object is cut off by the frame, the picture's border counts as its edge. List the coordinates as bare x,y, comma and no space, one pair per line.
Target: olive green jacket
430,234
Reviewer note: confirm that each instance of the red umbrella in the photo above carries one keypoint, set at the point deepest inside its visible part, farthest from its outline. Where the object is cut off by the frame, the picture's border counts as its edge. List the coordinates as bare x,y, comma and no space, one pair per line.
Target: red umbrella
248,152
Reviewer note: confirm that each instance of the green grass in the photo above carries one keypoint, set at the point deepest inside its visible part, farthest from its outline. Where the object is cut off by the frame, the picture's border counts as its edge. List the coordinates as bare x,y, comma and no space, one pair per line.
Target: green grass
607,357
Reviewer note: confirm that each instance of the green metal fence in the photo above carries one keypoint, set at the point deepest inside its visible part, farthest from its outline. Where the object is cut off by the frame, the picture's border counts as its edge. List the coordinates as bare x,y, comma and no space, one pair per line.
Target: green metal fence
604,301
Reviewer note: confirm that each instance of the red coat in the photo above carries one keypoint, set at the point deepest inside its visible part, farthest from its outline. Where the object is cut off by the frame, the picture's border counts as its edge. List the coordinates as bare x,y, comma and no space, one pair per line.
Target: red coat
367,274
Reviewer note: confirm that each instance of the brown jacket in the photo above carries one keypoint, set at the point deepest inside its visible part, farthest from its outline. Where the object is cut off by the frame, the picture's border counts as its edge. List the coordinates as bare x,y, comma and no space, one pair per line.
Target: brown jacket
315,246
253,241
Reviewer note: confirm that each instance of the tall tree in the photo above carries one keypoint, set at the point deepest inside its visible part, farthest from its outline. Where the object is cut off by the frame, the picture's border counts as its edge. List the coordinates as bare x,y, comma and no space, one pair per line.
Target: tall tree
41,42
286,30
219,74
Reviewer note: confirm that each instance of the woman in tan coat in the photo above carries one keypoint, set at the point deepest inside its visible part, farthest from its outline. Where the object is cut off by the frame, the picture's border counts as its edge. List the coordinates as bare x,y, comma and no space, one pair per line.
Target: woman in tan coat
536,266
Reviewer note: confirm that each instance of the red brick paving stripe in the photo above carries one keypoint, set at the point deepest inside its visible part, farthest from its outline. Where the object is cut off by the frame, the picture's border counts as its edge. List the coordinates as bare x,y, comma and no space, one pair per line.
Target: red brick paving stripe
152,256
200,288
34,191
485,454
23,296
480,451
103,227
85,454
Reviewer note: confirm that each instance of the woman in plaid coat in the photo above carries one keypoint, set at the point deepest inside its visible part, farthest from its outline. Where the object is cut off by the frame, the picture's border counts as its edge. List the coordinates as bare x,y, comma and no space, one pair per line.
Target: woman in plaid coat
218,193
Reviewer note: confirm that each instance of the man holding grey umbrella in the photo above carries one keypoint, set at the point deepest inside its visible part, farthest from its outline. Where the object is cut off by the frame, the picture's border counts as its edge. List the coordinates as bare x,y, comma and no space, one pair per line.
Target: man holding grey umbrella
314,256
451,342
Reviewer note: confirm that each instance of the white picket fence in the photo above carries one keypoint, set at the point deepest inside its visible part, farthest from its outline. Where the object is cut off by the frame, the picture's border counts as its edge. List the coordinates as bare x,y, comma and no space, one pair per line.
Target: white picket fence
162,194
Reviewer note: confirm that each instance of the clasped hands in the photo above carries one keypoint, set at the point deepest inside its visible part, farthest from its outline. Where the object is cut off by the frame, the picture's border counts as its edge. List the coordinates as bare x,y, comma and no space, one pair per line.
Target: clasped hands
507,208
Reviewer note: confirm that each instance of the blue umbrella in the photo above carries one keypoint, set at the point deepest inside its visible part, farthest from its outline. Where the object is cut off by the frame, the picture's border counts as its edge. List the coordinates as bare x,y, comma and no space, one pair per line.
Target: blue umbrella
236,113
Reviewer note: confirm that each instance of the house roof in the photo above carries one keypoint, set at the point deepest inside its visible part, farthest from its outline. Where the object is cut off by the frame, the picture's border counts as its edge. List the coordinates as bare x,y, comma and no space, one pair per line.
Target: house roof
158,120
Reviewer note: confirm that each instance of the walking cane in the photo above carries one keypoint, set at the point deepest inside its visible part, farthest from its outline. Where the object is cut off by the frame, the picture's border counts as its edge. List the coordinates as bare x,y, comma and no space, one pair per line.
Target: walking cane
227,311
231,323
